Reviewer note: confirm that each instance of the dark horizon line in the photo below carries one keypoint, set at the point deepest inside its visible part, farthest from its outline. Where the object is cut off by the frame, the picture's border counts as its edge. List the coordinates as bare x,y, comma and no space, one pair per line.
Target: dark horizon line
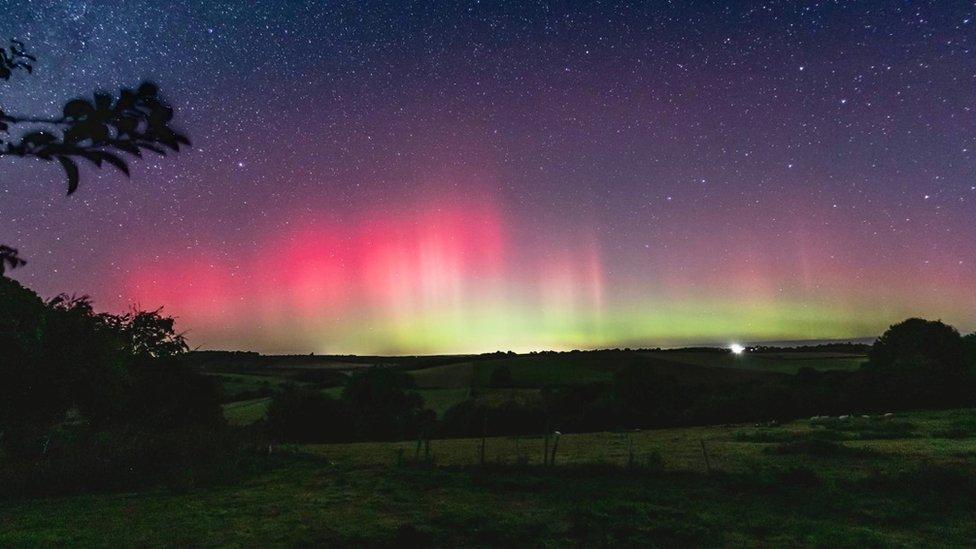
787,343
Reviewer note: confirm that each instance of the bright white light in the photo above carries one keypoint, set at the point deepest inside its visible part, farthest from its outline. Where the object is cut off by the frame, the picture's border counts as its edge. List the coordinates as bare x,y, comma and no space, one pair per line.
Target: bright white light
737,349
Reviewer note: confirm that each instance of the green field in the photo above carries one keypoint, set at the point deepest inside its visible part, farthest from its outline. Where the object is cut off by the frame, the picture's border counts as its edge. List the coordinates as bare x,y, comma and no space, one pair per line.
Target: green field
785,363
233,386
907,481
539,370
447,383
439,400
246,412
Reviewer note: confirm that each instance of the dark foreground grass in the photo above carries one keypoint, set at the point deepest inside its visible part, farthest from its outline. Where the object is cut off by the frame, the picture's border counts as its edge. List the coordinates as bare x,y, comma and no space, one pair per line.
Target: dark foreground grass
803,490
314,502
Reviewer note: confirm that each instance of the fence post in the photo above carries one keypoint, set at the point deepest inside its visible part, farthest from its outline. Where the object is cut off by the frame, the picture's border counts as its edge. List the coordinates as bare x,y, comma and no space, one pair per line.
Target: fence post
545,448
630,449
484,435
555,444
708,465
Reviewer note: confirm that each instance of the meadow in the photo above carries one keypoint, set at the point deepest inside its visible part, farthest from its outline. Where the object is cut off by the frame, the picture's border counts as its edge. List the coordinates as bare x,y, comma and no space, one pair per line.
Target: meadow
445,381
902,480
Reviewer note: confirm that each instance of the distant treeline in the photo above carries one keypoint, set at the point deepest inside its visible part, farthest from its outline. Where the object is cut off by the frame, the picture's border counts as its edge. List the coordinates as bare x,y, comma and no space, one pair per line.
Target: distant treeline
846,348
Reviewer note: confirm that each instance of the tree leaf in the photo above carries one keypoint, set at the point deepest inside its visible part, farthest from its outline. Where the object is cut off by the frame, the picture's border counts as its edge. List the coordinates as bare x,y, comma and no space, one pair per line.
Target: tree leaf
127,147
95,157
77,108
148,89
117,162
71,169
153,148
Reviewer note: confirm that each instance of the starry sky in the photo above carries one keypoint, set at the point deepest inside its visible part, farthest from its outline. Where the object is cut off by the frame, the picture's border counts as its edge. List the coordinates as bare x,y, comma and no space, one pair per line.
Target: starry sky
436,177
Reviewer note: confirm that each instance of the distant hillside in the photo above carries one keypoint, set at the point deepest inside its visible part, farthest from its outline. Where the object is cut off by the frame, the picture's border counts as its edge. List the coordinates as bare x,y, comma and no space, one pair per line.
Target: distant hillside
567,369
533,369
249,379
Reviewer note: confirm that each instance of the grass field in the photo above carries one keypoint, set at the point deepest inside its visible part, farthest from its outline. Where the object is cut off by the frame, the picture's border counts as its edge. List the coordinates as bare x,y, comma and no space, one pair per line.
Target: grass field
233,386
937,436
784,363
446,384
443,377
439,400
908,480
534,371
246,412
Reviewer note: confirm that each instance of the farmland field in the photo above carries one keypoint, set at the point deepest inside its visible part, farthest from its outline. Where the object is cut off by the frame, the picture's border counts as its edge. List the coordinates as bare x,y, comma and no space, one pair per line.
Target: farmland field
903,480
448,382
787,363
246,412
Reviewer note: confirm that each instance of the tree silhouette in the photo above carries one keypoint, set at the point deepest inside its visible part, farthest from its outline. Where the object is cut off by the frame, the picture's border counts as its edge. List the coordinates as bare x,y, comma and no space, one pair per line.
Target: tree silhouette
9,258
920,342
97,130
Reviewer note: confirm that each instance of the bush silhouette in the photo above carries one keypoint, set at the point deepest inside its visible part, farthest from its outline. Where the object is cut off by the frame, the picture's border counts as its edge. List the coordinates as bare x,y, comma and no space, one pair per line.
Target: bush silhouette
929,343
385,405
918,363
61,356
55,357
510,417
167,395
300,414
969,348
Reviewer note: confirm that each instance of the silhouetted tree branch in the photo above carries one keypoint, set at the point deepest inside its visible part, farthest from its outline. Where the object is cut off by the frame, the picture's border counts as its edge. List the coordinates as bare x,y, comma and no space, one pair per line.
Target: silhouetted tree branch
15,58
98,130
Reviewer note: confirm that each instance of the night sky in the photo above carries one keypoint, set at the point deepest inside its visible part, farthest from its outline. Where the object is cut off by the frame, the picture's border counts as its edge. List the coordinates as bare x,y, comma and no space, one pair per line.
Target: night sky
412,177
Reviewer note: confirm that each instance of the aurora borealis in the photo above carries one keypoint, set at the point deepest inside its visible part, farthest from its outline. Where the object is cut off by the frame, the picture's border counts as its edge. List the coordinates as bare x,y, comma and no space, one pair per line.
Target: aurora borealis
467,177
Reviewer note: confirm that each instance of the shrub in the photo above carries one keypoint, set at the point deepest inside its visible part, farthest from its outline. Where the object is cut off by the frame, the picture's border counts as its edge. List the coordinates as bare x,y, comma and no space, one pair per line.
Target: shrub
106,370
385,405
166,394
647,398
53,357
919,341
307,415
969,348
93,401
125,459
510,417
